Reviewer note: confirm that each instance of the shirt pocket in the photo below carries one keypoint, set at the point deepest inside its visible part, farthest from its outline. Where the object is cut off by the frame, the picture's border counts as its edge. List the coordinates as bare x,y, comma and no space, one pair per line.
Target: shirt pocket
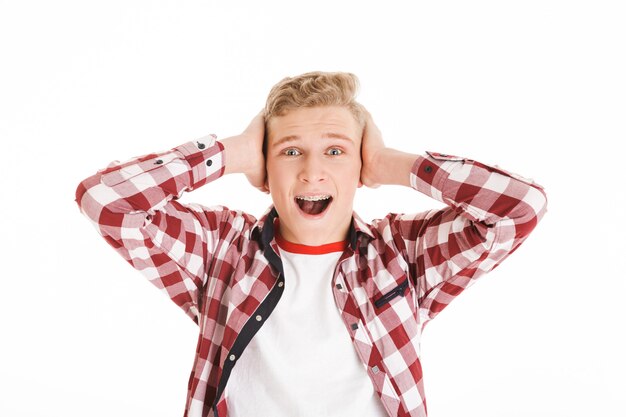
400,291
391,309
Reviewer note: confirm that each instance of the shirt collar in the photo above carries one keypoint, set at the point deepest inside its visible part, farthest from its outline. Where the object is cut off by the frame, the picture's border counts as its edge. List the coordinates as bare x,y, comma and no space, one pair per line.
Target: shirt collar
263,231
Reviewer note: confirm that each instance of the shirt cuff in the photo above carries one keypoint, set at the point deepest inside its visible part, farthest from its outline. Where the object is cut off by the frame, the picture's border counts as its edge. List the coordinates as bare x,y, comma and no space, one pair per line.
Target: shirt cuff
430,172
205,157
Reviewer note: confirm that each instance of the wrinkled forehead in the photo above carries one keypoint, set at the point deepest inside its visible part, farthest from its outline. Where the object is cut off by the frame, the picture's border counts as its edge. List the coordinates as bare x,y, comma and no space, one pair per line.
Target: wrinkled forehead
315,122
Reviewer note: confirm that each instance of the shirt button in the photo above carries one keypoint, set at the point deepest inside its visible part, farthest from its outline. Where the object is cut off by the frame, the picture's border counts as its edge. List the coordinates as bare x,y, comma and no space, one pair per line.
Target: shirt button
259,318
428,169
158,161
354,326
280,283
375,369
201,145
338,286
232,358
209,162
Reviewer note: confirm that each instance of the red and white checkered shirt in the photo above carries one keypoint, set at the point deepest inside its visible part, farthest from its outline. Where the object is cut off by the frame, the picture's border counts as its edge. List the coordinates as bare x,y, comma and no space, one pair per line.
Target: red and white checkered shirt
223,269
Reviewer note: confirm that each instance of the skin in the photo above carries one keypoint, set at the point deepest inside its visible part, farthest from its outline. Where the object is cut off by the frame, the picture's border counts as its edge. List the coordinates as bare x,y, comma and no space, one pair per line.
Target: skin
314,152
314,160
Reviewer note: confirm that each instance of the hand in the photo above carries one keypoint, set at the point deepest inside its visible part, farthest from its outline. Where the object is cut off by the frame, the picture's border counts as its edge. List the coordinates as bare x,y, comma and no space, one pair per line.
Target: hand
372,146
254,134
244,153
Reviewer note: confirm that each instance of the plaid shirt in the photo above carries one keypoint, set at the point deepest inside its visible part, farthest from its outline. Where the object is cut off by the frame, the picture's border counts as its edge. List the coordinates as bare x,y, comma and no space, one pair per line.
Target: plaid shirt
223,268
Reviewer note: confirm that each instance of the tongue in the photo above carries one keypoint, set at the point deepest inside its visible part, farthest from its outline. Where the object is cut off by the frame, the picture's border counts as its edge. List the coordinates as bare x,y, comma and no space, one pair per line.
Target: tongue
313,207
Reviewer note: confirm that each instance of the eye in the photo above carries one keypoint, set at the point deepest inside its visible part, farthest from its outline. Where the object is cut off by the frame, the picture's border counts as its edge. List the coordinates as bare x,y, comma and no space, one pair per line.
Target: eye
334,151
292,152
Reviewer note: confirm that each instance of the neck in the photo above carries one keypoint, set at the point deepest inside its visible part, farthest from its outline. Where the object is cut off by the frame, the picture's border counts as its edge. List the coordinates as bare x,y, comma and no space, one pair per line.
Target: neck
283,236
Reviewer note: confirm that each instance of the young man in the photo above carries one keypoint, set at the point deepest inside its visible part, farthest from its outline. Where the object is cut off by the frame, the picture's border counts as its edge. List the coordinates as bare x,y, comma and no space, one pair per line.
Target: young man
309,311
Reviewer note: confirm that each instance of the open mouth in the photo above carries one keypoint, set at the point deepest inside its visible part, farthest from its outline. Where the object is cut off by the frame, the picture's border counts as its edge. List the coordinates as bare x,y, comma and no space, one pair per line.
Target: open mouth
313,205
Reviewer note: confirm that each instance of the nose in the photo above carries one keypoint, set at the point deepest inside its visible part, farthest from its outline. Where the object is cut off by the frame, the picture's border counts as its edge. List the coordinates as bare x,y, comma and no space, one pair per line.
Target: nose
312,170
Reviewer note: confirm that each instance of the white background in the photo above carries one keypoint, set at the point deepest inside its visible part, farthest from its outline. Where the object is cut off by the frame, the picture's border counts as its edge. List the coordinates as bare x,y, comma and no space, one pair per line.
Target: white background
537,87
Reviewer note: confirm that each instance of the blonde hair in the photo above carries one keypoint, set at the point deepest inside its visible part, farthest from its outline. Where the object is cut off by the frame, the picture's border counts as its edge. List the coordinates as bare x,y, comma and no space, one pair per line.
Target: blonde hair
315,89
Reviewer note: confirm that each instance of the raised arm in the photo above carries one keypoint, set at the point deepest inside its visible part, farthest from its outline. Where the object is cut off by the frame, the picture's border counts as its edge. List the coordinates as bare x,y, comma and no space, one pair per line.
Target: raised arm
134,206
490,213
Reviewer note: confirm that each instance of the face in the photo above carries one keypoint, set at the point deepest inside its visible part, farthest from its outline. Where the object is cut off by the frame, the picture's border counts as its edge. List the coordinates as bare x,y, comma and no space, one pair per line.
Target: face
313,170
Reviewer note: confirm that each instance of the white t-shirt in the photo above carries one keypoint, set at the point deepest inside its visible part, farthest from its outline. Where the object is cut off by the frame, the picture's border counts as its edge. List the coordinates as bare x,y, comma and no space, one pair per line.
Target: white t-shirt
302,362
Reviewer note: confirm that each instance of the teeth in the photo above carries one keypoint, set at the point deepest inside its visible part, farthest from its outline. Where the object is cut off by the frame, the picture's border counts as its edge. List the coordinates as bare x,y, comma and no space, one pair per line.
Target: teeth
313,197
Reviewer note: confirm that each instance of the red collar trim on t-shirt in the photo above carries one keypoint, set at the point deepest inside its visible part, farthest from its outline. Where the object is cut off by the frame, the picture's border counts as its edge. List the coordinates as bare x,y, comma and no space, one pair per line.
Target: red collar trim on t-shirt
306,249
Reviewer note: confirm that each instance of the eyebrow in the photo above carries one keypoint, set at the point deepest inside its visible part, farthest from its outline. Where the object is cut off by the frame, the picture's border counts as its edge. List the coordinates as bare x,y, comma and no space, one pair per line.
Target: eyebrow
328,135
